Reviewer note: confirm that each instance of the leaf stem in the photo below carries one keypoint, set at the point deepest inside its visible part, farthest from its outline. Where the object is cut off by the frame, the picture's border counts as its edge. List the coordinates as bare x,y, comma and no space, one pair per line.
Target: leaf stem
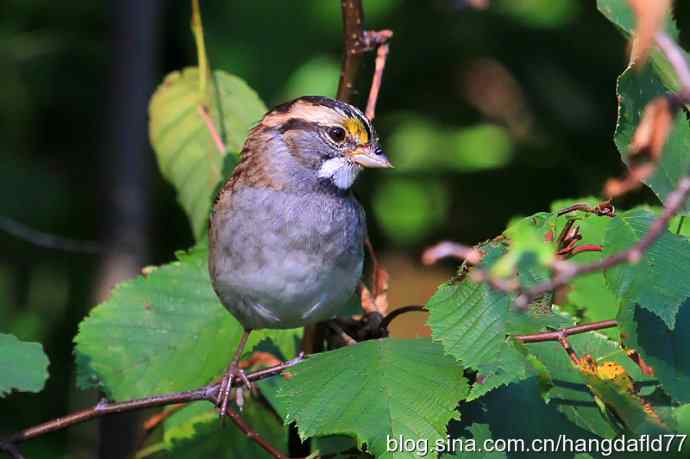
198,31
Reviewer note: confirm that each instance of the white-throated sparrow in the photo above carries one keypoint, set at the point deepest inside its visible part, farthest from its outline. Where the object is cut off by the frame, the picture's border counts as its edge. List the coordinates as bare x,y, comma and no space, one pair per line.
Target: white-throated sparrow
286,233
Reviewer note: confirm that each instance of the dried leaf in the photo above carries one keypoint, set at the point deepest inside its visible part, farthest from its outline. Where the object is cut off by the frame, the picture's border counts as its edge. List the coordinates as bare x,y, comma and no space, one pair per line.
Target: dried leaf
264,359
617,187
367,299
653,130
646,146
378,300
650,19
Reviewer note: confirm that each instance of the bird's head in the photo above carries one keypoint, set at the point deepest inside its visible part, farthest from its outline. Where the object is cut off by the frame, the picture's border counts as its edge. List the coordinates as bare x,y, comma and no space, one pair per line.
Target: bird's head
320,137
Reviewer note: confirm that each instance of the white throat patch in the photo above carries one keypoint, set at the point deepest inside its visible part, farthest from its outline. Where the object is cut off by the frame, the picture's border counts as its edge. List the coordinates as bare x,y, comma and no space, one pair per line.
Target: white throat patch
341,172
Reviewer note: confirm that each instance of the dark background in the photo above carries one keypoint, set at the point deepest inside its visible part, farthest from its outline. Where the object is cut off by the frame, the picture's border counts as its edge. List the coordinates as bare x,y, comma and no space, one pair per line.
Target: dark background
486,114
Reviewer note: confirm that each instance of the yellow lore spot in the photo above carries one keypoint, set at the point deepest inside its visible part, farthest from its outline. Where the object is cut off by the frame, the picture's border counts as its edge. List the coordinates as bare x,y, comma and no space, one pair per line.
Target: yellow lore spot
357,130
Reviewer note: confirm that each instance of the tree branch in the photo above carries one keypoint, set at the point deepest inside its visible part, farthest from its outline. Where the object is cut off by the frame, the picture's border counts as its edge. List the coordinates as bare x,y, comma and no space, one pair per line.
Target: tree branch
562,336
353,33
104,408
358,41
675,56
557,334
445,249
49,241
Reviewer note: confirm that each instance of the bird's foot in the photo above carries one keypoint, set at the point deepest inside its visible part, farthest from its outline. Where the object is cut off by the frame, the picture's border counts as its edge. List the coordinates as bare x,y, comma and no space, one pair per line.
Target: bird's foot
225,390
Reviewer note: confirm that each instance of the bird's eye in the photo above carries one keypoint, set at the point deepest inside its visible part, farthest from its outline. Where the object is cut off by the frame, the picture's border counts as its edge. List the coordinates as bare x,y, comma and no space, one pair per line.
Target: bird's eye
336,133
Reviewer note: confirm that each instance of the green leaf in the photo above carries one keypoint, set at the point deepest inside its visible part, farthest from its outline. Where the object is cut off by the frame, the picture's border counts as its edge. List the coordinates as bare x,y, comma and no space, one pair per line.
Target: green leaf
139,342
23,366
663,349
374,390
658,282
187,154
472,321
567,390
636,88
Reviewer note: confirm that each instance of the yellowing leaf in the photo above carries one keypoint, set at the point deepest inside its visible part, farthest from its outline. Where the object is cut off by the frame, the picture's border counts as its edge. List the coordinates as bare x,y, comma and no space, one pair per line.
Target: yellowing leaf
611,384
179,128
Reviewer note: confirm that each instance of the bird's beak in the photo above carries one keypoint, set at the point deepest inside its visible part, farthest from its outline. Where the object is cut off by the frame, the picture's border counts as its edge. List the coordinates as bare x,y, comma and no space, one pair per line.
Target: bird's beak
369,156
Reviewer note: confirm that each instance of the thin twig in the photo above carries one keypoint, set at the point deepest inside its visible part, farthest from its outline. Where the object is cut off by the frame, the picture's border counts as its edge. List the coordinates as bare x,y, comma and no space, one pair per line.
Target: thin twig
602,209
557,334
445,249
385,323
561,336
253,434
47,240
675,56
565,344
381,56
104,408
11,450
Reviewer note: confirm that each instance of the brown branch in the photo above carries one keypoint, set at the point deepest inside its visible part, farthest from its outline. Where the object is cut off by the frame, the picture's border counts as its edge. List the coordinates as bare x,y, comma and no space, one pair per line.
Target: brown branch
358,41
565,332
565,344
353,34
11,450
104,408
253,434
381,56
445,249
675,56
562,336
604,208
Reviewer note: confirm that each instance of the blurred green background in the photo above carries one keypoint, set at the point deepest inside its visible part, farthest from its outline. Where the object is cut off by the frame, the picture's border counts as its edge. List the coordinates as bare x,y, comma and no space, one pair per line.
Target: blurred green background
486,114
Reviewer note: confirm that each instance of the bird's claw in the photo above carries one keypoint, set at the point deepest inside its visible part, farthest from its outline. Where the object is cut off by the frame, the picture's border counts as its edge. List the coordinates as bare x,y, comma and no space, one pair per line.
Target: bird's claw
225,390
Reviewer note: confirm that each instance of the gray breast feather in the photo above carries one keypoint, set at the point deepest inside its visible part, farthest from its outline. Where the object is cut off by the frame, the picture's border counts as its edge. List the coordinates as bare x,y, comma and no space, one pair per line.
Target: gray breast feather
283,260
